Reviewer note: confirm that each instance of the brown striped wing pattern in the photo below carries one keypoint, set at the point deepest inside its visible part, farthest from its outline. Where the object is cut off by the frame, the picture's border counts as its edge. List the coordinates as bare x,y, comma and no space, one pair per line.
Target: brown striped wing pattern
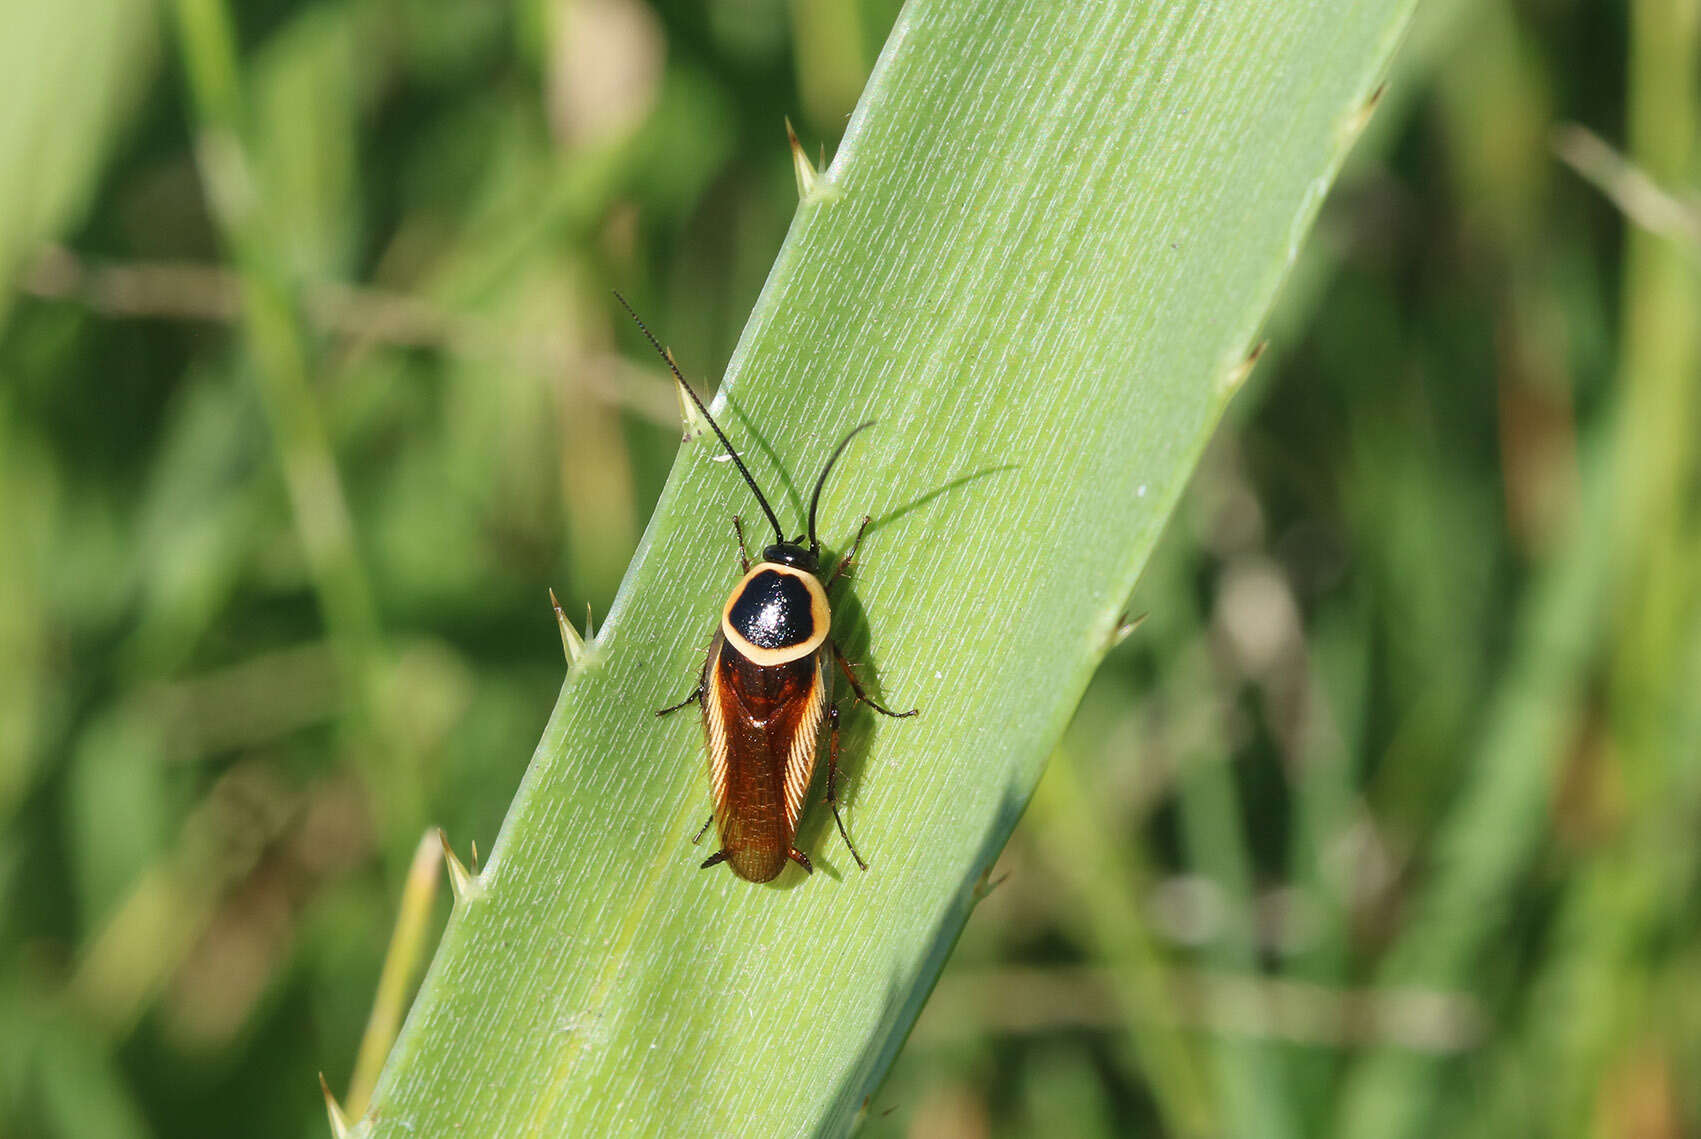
764,726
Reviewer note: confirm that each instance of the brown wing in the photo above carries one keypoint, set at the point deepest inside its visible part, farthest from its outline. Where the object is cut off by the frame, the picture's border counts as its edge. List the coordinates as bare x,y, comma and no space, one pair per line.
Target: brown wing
763,724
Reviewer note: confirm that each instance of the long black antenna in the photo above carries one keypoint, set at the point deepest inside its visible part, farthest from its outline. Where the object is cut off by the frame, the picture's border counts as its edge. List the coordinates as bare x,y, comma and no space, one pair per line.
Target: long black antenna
815,499
779,535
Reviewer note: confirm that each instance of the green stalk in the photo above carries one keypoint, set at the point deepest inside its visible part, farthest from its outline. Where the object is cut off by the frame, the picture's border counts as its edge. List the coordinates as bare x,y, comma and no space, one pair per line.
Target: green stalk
1250,1072
1489,840
1603,982
1108,882
1658,368
275,335
1039,259
401,967
282,365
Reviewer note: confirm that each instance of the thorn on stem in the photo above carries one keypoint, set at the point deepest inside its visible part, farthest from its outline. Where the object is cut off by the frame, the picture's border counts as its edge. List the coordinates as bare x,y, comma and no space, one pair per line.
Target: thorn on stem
575,648
334,1111
800,165
1241,372
812,185
465,885
1361,115
986,883
1125,628
695,425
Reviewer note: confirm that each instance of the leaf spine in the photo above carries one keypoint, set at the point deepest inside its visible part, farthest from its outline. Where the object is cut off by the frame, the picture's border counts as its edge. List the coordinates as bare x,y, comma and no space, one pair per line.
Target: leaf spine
334,1111
467,886
578,650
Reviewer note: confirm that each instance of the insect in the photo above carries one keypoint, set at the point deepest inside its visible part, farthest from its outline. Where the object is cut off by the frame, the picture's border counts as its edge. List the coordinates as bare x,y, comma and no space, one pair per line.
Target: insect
766,687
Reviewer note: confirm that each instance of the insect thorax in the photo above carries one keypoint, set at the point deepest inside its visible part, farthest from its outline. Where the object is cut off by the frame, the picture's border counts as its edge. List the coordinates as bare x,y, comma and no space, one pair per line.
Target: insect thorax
778,613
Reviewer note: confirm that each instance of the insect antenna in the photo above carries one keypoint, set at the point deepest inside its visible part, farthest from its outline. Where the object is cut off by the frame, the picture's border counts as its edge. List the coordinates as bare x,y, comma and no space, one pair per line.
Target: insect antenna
815,498
719,434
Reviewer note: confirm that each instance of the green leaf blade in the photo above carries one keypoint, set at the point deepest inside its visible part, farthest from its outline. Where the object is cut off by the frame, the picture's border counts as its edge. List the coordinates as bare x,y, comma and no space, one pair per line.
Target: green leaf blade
1051,234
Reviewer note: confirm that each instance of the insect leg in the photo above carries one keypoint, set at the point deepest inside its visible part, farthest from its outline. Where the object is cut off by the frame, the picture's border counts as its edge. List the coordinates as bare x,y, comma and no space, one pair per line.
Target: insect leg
833,782
743,554
856,687
845,562
801,859
695,697
714,859
702,830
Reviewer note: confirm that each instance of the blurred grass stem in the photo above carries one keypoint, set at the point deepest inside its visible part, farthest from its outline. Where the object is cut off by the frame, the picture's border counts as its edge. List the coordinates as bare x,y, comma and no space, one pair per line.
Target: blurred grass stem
182,290
401,969
278,342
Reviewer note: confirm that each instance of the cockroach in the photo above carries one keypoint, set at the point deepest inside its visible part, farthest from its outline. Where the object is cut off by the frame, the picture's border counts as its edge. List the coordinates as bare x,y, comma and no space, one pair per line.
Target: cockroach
766,687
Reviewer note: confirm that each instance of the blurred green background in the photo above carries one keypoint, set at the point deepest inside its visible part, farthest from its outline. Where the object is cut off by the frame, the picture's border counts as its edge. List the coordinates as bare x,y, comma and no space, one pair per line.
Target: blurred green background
310,385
